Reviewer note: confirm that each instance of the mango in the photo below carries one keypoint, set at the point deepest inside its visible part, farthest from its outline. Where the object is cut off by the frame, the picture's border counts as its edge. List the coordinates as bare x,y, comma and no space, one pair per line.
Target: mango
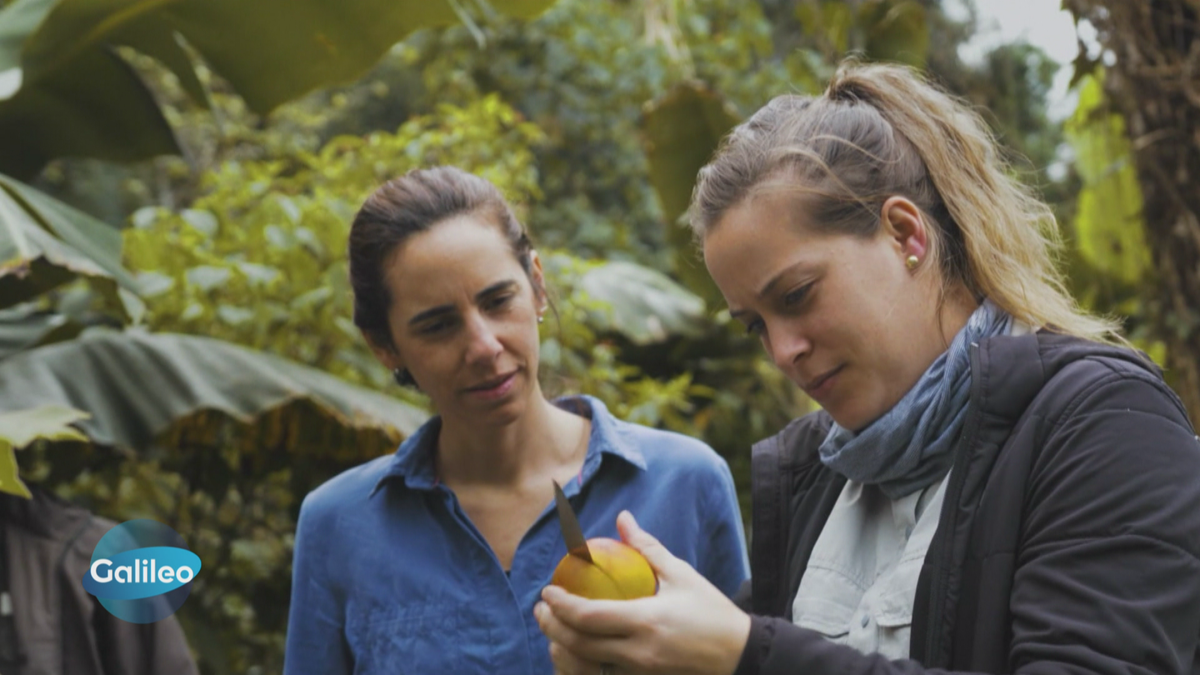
617,572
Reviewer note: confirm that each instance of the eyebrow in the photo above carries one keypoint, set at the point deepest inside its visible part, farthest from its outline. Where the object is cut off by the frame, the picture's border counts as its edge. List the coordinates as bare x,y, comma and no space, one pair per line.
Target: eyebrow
442,310
766,288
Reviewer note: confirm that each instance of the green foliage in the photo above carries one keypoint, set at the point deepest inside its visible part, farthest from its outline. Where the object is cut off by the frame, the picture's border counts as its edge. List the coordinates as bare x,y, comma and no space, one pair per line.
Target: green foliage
233,397
582,73
45,243
20,428
682,129
65,91
47,110
1108,222
582,351
888,30
260,258
1110,260
642,304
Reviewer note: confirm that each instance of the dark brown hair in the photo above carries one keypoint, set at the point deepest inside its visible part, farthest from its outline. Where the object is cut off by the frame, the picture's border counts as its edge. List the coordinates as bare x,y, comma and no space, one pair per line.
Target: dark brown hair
410,204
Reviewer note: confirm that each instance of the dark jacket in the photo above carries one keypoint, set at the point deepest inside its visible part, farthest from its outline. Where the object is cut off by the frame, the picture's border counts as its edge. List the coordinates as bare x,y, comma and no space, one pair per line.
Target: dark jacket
60,628
1069,540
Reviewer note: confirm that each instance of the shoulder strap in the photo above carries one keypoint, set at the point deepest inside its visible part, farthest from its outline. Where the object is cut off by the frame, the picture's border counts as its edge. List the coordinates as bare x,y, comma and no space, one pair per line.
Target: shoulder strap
11,657
768,538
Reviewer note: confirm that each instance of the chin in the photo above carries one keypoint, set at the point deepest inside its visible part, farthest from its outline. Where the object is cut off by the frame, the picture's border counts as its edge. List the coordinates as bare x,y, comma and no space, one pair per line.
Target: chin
855,420
506,413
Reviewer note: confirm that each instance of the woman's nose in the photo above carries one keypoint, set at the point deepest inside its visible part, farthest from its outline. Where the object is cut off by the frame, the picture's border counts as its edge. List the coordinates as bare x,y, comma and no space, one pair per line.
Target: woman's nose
787,345
482,340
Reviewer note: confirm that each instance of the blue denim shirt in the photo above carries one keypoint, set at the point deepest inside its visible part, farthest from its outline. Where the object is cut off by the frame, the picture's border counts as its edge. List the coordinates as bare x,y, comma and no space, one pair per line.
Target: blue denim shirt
390,576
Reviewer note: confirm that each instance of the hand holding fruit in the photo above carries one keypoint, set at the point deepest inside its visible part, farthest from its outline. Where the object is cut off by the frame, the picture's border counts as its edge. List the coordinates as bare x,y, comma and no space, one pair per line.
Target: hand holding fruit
616,572
689,626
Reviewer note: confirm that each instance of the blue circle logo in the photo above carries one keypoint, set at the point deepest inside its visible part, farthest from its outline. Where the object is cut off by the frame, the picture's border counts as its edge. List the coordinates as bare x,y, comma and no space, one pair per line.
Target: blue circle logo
141,571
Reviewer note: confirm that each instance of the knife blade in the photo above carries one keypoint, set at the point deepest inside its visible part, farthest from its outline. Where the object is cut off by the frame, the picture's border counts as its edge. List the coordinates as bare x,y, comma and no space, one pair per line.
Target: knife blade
569,524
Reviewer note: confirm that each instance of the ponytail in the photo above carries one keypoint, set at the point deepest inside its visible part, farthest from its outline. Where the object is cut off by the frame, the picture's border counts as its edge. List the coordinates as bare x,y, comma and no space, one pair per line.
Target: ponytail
880,131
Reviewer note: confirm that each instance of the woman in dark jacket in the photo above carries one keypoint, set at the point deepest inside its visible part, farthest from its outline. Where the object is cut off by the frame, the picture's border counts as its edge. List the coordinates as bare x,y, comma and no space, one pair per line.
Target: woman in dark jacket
996,482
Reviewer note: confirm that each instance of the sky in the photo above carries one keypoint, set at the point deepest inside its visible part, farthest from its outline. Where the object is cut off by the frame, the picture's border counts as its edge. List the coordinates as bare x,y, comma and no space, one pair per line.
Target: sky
1040,22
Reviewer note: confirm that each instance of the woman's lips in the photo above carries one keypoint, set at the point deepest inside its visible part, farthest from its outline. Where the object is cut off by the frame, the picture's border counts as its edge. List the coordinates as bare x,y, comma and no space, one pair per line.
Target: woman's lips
822,383
494,388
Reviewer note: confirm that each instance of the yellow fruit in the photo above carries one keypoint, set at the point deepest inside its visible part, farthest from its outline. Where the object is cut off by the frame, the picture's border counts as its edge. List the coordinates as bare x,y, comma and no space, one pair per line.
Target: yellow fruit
617,572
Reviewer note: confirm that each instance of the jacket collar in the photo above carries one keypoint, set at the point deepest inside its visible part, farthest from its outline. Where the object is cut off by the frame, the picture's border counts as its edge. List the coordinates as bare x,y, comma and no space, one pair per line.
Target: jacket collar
1009,373
413,461
45,514
1013,369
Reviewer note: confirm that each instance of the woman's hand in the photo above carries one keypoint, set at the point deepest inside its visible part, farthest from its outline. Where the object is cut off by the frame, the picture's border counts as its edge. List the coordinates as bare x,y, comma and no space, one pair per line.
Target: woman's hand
689,626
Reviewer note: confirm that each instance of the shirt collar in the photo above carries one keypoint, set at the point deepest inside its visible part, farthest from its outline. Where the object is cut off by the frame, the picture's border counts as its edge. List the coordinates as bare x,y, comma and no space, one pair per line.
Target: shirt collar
413,461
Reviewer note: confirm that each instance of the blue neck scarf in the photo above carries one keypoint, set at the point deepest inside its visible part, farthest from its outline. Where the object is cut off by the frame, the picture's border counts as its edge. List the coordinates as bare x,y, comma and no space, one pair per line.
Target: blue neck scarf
911,446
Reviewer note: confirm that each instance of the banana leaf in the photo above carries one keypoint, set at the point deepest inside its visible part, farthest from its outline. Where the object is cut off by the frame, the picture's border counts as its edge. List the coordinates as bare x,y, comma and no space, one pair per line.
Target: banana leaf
45,243
22,427
64,92
25,326
645,306
147,391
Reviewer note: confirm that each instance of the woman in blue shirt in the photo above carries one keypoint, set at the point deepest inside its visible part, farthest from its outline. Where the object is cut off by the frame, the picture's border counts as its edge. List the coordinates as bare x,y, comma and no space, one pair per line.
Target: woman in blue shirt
431,560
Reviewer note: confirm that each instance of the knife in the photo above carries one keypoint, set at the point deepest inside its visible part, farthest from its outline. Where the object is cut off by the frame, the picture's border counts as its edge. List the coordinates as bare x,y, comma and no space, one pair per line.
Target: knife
571,531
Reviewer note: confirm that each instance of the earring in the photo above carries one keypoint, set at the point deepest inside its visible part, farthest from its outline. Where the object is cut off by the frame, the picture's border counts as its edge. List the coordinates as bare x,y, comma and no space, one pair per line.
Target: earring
541,319
912,261
403,377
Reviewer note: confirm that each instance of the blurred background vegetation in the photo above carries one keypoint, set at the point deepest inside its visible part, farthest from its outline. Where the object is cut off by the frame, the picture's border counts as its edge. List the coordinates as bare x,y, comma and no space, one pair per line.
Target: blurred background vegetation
177,182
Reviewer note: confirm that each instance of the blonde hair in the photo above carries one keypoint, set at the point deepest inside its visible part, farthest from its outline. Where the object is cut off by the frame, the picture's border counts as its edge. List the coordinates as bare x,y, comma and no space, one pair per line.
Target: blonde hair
883,130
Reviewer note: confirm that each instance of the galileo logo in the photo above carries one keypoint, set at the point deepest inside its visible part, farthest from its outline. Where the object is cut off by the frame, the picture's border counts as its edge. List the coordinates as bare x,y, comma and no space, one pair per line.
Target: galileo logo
141,571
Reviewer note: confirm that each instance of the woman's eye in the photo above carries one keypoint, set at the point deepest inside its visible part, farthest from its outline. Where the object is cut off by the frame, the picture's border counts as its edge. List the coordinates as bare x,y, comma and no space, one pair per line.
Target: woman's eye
755,327
435,327
797,296
497,302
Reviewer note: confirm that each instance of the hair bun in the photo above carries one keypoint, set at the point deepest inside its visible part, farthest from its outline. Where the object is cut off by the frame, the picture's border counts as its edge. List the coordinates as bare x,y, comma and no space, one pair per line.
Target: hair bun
847,87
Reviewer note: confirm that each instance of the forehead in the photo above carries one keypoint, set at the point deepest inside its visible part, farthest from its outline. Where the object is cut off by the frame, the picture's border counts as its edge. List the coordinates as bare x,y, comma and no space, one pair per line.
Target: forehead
460,254
768,223
766,236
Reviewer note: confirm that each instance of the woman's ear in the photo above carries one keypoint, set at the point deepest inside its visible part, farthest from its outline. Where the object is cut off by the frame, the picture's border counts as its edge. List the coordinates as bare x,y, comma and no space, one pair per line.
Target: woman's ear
901,220
538,280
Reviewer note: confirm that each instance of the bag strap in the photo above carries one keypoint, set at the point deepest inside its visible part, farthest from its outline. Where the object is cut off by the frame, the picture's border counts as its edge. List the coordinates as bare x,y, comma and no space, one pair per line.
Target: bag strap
11,657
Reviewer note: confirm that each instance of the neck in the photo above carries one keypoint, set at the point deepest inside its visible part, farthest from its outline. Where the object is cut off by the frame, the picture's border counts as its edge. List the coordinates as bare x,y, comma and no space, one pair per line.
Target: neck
543,439
958,306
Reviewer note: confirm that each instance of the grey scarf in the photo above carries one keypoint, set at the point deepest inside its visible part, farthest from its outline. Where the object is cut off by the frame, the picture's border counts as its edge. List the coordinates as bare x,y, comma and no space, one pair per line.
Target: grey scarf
911,446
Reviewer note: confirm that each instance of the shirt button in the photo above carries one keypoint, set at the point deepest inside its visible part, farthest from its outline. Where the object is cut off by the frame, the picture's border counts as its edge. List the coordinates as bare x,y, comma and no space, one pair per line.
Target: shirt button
865,620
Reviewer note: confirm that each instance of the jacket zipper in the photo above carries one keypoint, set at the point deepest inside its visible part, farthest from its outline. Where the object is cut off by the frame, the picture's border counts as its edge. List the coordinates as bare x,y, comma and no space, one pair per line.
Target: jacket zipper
953,495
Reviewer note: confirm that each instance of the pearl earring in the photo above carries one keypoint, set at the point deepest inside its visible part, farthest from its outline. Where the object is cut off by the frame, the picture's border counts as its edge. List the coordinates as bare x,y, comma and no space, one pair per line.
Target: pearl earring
912,261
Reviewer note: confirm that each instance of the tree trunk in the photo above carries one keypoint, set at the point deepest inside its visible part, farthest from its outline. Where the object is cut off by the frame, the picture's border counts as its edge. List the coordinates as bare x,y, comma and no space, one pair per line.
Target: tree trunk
1154,82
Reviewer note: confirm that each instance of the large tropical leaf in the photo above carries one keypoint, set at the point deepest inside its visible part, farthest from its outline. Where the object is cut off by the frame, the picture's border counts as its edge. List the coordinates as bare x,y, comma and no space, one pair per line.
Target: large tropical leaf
44,243
22,427
147,390
644,305
64,92
681,130
25,326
